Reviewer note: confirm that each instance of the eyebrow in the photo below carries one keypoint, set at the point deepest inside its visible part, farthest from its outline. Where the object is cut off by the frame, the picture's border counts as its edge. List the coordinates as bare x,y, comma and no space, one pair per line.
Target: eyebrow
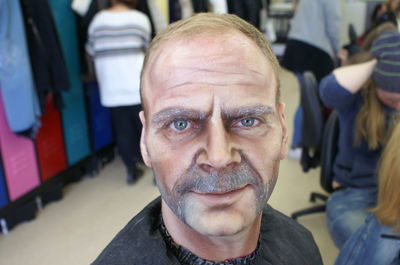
170,114
247,111
173,113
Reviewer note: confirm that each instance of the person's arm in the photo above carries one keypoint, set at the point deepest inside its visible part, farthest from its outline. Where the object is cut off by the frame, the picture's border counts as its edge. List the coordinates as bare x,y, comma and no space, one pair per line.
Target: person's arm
339,89
353,77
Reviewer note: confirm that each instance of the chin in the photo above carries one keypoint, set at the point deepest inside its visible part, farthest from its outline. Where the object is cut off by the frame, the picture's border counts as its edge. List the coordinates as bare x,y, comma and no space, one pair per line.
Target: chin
219,222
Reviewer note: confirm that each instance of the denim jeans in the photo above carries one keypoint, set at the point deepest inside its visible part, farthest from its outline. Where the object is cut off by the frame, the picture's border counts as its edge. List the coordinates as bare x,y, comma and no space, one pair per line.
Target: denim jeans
297,128
347,210
367,246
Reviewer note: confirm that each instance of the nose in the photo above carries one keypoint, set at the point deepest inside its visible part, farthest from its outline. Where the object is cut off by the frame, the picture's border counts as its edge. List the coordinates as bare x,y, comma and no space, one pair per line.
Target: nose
219,150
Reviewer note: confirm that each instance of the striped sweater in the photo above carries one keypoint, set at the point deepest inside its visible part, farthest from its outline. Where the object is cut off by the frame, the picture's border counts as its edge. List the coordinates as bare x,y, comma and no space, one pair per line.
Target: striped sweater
117,42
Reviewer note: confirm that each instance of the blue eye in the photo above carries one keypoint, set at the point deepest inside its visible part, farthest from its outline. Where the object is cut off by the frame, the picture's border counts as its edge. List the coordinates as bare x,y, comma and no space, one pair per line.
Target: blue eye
248,122
180,125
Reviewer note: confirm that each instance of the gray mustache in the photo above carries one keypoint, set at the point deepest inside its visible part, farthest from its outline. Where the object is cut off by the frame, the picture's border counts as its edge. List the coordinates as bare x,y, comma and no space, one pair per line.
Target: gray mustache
196,180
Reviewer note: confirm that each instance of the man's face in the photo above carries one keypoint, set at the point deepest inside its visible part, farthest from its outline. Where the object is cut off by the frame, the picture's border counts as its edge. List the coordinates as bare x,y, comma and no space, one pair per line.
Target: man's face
213,132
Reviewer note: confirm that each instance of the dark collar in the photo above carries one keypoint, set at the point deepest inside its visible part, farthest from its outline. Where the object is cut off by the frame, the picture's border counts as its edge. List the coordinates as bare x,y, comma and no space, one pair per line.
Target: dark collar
186,257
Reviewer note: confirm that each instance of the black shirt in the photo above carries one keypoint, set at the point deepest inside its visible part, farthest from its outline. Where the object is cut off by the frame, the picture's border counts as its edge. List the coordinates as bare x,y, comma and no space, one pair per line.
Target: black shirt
282,242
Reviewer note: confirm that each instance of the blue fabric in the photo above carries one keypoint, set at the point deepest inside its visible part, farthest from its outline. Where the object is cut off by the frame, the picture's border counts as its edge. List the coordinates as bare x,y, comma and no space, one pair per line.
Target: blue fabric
347,210
367,246
17,87
100,119
297,128
3,189
355,166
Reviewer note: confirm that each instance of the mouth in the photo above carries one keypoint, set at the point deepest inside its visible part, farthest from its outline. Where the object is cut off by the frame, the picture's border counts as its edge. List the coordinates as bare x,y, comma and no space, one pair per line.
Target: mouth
225,196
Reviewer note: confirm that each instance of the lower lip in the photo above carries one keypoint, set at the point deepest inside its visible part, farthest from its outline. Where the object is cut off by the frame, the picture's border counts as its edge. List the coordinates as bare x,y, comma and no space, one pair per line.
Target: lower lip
225,196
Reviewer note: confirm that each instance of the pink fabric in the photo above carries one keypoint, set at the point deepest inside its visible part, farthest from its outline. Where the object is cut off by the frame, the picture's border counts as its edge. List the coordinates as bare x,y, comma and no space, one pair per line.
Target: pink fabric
19,160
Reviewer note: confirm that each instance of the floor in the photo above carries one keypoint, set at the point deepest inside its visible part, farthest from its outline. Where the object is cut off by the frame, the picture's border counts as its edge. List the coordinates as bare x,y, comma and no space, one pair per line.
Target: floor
75,229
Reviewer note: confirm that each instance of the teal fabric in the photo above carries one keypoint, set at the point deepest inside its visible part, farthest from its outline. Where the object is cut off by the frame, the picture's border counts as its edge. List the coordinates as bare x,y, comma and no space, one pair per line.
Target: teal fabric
17,87
74,112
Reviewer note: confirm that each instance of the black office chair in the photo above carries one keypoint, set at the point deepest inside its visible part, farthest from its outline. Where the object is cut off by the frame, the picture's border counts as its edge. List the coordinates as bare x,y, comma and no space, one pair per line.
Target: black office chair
312,121
329,150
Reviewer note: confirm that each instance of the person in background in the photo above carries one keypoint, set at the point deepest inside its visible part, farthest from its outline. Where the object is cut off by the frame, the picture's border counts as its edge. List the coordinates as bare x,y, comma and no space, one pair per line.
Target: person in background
313,38
378,240
214,133
363,53
366,96
312,45
117,40
388,12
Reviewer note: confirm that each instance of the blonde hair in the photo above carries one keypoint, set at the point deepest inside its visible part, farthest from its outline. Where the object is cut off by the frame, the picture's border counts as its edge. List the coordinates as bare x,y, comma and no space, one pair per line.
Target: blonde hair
371,119
370,122
388,208
375,33
208,23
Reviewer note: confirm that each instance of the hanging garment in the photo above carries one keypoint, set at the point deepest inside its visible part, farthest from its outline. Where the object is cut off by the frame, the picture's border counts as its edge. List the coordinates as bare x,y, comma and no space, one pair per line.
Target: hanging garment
48,65
18,157
219,6
163,6
20,100
187,8
249,10
144,7
200,6
74,117
158,17
81,7
175,11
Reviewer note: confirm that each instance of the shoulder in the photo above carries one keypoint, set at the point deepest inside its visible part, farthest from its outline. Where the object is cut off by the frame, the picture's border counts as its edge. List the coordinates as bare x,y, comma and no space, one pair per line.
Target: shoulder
137,242
142,18
99,17
334,95
281,235
277,222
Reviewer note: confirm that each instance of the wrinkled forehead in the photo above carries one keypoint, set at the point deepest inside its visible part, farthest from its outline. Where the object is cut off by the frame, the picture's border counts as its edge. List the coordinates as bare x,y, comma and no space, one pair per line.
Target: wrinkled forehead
202,56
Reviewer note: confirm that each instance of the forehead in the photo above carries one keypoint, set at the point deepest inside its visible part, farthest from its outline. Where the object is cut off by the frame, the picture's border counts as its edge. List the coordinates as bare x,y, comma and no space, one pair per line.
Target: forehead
211,64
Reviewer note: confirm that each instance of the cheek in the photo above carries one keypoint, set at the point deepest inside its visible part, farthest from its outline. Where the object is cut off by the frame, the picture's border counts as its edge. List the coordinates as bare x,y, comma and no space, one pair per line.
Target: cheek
263,153
169,160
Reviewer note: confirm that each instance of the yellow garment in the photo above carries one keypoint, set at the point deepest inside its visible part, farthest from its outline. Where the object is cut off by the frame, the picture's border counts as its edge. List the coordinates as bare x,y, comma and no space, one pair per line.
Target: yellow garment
163,6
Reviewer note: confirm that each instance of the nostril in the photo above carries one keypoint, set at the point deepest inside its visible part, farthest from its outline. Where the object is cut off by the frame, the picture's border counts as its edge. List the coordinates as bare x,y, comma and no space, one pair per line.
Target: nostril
207,168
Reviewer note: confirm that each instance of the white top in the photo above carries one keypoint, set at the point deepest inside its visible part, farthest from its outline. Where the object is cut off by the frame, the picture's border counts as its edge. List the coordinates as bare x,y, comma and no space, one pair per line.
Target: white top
317,22
117,42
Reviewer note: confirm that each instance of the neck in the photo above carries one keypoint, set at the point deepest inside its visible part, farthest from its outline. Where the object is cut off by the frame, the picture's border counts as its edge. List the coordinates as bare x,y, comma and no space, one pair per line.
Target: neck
118,7
213,248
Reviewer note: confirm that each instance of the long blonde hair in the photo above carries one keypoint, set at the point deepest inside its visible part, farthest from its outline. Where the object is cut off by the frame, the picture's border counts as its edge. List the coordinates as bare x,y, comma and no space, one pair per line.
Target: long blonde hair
388,208
370,122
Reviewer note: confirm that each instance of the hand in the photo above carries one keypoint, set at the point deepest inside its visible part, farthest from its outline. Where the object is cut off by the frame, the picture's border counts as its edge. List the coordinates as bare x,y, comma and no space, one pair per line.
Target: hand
336,185
343,56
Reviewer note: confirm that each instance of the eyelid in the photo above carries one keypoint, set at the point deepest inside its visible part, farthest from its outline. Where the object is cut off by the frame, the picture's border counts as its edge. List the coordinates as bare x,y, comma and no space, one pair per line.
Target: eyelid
258,121
171,125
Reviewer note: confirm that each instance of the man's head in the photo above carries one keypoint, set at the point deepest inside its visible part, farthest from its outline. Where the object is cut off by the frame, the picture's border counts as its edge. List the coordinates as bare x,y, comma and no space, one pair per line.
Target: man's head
213,127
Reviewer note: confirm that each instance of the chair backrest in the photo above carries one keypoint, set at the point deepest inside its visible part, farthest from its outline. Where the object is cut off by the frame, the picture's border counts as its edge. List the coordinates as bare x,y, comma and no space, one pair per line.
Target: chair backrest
313,121
312,125
329,149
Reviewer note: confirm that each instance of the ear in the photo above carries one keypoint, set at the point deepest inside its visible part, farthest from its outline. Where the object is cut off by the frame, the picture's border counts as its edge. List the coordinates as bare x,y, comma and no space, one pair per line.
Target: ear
143,146
282,120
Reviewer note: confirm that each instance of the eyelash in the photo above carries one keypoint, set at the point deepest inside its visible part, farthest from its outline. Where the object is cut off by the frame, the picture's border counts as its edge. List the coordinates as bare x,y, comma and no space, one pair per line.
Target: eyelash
192,124
255,124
